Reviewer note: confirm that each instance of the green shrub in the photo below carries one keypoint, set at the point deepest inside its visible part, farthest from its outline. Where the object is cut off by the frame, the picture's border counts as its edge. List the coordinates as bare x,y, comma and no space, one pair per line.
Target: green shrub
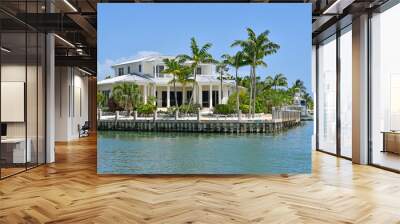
244,108
189,108
224,109
171,110
113,106
244,102
146,108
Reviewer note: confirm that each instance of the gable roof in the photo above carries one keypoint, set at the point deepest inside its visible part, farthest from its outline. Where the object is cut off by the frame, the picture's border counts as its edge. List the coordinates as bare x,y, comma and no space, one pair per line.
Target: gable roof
126,78
143,59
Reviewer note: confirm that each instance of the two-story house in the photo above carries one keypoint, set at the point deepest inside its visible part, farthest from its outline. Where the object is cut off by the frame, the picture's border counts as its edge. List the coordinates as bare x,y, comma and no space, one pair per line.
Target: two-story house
147,74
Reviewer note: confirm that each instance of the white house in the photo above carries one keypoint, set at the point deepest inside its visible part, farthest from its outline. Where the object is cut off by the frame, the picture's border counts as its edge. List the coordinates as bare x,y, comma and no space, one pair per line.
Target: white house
147,74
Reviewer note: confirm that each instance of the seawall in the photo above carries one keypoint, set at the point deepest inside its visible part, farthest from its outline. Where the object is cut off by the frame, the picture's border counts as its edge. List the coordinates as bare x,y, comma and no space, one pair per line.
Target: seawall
212,126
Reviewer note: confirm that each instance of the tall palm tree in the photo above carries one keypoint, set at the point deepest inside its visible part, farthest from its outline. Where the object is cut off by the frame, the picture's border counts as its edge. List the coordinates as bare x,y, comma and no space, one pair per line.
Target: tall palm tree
236,61
185,76
127,96
173,68
198,55
256,47
222,67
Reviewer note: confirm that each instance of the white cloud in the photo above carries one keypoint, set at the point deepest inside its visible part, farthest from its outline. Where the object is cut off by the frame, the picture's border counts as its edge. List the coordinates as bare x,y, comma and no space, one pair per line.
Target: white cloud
104,67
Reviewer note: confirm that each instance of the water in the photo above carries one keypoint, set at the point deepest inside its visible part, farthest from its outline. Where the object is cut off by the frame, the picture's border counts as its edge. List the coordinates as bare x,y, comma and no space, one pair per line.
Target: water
202,153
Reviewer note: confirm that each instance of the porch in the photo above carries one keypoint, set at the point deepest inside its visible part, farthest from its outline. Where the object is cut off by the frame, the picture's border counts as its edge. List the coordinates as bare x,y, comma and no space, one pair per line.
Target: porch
207,96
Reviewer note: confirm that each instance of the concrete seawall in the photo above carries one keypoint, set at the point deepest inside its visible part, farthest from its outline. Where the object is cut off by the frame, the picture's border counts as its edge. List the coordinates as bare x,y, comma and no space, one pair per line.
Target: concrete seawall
211,126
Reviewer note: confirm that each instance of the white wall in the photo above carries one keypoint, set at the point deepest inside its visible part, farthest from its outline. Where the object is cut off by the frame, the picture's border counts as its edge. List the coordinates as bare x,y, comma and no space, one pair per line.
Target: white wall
12,73
71,103
147,68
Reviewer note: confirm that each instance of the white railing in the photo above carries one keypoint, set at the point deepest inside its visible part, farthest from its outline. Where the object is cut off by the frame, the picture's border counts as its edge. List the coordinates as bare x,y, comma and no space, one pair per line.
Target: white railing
285,115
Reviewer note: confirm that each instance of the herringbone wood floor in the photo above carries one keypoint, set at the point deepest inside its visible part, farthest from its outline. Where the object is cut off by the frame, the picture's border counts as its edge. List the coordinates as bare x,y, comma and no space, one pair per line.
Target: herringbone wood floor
70,191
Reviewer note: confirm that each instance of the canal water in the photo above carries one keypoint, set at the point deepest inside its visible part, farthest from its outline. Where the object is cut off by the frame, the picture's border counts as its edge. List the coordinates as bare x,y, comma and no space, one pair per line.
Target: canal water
124,152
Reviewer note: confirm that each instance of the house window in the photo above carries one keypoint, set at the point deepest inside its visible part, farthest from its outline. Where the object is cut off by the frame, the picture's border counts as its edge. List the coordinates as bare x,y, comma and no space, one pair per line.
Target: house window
188,95
140,68
120,71
160,69
129,69
198,71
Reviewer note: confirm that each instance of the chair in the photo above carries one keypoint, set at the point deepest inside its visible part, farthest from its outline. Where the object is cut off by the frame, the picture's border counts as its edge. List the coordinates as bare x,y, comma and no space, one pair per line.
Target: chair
84,130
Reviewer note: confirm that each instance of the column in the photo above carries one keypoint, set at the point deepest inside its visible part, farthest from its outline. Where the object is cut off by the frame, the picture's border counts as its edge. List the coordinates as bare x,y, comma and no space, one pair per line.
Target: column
50,97
168,90
226,95
360,90
183,95
199,96
155,93
194,93
219,94
145,93
210,98
159,98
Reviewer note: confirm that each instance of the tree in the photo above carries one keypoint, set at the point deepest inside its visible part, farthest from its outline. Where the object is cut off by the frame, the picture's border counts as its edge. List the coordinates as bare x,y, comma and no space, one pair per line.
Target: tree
298,86
309,101
185,77
279,80
221,68
127,96
198,55
101,98
256,47
173,68
236,61
244,81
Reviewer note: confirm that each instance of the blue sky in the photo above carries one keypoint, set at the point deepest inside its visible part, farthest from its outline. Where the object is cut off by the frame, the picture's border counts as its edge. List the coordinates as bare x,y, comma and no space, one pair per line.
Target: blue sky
128,31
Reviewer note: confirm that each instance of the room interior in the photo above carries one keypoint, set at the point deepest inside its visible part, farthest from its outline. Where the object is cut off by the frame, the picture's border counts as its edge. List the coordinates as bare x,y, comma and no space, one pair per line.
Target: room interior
26,62
48,89
22,101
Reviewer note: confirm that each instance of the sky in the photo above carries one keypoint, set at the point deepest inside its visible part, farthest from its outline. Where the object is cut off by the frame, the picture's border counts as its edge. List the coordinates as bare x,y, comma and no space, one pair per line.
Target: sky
129,31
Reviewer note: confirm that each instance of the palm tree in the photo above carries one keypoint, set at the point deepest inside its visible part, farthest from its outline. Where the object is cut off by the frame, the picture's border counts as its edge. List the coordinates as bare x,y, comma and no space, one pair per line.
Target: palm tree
127,95
222,67
173,68
185,76
309,101
244,81
269,82
236,61
279,80
298,86
198,55
101,98
256,47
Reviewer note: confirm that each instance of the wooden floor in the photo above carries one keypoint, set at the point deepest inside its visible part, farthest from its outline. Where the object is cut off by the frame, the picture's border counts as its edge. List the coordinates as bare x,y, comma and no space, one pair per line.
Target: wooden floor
70,191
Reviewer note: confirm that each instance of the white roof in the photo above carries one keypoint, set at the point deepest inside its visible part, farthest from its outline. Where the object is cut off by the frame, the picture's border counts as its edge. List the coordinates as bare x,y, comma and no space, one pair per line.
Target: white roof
207,79
151,59
143,59
126,78
201,79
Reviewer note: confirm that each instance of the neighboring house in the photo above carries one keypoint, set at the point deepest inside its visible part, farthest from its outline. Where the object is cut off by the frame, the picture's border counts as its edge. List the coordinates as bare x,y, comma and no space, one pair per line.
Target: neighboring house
299,104
147,74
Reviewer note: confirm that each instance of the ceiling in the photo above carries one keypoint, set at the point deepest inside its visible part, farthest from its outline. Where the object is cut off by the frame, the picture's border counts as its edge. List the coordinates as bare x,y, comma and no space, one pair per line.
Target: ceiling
75,21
